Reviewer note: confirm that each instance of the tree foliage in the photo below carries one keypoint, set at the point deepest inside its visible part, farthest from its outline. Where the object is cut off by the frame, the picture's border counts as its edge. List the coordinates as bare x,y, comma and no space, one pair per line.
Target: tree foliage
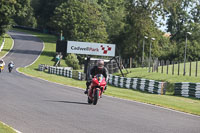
10,9
80,21
72,61
7,9
121,22
25,15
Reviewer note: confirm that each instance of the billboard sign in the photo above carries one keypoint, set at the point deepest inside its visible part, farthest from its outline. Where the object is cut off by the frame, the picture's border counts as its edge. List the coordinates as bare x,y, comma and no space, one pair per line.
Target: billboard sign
91,48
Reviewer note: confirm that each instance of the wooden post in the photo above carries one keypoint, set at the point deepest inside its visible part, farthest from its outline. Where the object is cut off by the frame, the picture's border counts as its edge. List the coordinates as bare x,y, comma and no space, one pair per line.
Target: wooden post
167,68
131,62
173,68
196,68
162,66
190,68
178,68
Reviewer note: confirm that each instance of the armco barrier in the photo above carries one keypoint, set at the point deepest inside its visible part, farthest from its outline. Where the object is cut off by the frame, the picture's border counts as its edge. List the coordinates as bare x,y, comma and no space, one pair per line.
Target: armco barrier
151,86
187,89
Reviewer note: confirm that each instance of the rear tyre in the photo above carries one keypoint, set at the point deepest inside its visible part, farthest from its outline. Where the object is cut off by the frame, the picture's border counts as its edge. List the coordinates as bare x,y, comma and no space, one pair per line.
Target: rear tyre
89,101
10,69
96,97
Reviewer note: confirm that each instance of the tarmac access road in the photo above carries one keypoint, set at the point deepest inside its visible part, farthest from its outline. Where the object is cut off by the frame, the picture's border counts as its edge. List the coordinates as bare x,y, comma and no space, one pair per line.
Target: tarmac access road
31,105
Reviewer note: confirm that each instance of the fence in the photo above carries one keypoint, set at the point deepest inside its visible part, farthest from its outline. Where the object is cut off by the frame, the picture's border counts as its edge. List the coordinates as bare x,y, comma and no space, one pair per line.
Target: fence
177,68
167,67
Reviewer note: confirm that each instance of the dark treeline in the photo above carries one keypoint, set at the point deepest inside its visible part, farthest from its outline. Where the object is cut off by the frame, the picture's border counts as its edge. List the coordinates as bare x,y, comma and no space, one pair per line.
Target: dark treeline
122,22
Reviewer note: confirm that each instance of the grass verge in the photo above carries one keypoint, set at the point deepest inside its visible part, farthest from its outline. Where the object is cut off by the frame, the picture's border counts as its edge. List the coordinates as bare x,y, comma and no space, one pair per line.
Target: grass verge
189,105
7,45
5,129
143,73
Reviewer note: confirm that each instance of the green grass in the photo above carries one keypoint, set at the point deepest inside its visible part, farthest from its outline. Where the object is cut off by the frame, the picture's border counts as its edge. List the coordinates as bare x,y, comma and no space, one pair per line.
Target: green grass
169,78
189,105
7,45
5,129
143,73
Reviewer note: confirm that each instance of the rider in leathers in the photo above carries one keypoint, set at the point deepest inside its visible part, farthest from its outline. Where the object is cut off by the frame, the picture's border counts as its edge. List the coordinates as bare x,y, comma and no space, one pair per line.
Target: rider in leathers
99,69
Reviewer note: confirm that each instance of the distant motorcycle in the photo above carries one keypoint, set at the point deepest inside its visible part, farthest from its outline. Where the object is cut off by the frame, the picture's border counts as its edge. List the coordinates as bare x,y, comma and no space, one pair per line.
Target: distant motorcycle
1,67
10,67
97,87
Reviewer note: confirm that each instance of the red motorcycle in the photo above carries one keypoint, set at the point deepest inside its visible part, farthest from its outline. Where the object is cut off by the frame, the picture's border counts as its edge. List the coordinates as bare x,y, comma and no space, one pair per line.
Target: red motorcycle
96,88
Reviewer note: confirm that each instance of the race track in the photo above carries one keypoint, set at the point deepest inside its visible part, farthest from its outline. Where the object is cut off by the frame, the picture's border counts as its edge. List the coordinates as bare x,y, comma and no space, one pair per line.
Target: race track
31,105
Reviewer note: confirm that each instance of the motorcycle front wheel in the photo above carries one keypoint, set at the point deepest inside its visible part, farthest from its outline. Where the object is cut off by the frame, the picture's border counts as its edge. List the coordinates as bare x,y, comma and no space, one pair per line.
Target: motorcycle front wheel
89,101
96,97
10,69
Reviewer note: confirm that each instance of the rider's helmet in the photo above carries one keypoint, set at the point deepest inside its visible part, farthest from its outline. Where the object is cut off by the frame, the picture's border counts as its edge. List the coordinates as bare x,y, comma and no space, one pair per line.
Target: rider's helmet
1,61
100,64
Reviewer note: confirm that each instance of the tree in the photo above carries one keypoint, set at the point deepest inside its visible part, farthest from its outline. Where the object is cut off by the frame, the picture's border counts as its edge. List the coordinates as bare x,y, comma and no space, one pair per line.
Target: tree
140,22
195,12
7,9
80,21
44,10
113,14
25,15
10,8
179,17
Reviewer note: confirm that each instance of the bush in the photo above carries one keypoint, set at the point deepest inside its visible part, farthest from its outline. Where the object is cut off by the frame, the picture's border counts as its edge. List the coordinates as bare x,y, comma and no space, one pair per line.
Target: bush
72,61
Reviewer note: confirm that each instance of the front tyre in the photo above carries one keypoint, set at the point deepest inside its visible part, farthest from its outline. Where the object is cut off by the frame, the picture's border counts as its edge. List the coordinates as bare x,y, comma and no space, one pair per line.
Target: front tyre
96,97
89,101
10,69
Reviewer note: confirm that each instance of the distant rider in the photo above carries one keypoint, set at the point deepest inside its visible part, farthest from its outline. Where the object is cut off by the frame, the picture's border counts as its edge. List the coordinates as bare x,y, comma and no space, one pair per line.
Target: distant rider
10,66
99,69
2,63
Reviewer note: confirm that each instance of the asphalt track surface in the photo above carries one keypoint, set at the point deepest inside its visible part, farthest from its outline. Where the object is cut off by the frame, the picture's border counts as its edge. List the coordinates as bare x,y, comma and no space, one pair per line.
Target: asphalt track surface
31,105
